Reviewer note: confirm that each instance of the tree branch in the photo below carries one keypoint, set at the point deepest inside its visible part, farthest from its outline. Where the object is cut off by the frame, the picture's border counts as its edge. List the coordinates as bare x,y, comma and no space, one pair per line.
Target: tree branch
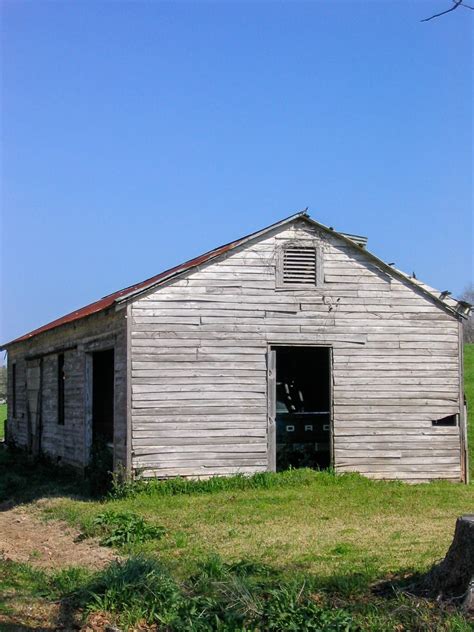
456,4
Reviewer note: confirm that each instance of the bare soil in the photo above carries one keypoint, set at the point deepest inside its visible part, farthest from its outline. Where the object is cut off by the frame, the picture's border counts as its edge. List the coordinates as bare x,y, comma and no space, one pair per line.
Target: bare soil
25,537
38,615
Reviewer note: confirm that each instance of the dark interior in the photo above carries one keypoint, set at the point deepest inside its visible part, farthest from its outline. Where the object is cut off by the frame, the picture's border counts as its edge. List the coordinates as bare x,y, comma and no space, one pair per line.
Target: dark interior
103,396
303,407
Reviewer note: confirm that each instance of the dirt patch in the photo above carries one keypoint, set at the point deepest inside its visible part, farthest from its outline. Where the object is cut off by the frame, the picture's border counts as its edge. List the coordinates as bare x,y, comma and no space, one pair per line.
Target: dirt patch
39,615
25,537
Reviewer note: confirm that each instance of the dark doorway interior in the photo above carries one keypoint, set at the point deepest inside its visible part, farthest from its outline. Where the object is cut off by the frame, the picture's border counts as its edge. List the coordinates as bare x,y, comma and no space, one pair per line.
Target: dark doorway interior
303,407
103,396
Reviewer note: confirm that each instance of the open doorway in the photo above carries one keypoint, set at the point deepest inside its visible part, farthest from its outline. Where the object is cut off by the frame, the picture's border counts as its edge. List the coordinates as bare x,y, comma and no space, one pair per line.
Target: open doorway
103,397
303,407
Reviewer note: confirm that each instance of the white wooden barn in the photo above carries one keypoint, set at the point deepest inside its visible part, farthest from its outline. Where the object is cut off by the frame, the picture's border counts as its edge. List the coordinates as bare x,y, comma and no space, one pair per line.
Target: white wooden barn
291,346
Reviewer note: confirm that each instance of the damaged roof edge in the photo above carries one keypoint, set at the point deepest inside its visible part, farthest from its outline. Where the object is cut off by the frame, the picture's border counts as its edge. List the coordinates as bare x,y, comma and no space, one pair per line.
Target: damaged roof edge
132,291
358,239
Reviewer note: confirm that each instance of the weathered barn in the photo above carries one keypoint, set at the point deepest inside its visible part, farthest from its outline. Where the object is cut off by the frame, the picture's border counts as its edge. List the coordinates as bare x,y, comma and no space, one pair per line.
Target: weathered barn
291,346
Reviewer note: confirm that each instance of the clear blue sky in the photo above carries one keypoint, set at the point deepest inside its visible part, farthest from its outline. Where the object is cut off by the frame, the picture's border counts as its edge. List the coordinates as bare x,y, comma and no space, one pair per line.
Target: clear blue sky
137,135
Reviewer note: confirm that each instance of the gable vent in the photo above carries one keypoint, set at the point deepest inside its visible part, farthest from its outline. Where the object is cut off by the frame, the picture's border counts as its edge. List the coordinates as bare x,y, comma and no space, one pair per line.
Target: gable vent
299,265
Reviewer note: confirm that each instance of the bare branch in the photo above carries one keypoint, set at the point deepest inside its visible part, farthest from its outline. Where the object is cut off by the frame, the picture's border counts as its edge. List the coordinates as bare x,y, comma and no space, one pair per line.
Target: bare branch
464,5
456,4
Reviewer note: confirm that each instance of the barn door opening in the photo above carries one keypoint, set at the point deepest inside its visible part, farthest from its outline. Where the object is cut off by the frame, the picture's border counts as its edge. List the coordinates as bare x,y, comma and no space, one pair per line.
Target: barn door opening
302,407
103,374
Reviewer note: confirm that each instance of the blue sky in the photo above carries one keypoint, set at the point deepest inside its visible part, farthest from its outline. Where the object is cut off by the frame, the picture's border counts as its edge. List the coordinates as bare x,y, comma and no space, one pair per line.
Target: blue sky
136,135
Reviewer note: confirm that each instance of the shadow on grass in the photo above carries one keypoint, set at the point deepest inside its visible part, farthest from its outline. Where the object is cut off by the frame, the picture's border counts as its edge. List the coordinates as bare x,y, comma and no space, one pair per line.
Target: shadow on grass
24,479
246,595
243,595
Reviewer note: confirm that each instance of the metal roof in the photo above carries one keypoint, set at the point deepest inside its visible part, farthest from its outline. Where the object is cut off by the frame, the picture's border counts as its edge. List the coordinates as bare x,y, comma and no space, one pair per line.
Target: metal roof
133,290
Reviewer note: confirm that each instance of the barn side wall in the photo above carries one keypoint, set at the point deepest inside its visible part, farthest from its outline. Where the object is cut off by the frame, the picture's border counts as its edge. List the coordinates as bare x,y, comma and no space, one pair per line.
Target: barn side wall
199,377
67,443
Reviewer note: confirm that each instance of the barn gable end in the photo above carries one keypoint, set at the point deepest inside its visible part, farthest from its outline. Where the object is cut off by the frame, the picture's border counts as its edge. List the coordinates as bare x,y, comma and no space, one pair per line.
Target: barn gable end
199,353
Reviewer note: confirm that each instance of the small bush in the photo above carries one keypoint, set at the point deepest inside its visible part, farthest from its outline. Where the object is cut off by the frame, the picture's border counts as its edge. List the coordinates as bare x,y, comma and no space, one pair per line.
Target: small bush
120,528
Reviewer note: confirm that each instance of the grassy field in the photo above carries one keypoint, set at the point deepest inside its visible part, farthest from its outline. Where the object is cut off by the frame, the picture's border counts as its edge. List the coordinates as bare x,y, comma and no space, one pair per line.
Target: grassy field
299,550
3,416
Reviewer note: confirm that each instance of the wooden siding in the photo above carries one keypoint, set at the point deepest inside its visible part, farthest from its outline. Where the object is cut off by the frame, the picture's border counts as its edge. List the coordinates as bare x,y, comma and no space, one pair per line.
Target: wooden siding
199,376
66,443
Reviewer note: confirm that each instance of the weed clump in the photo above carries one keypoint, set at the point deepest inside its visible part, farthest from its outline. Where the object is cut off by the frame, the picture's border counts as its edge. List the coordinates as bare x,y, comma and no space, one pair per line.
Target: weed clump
120,528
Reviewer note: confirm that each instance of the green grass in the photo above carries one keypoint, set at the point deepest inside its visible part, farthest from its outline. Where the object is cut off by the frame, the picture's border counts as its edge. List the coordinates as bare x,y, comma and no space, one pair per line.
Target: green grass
249,553
330,523
331,537
3,417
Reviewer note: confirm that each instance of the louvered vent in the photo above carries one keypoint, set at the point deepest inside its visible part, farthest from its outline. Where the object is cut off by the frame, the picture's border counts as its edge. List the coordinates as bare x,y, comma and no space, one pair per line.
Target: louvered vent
299,265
